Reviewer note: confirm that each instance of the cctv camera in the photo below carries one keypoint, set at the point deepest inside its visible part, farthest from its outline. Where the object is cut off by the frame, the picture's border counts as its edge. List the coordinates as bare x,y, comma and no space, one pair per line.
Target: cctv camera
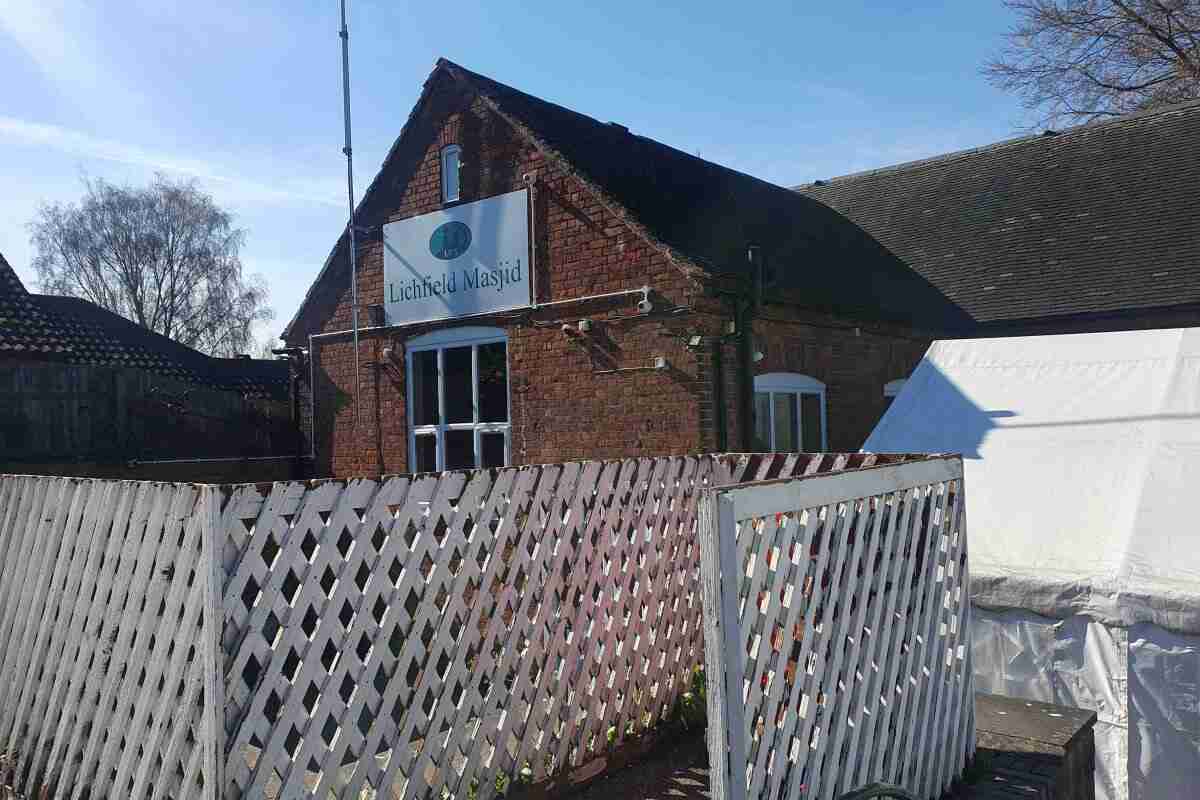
644,306
566,328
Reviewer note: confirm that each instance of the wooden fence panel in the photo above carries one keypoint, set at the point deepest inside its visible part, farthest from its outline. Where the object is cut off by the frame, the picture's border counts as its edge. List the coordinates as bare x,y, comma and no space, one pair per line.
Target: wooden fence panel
836,615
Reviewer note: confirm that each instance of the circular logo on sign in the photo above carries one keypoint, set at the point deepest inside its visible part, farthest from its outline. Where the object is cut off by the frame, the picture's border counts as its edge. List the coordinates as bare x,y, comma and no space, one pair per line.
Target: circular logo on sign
450,240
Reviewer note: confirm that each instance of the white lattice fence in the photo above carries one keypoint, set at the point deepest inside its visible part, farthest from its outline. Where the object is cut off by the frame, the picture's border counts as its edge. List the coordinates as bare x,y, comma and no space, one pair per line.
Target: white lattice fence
837,616
420,636
102,598
411,637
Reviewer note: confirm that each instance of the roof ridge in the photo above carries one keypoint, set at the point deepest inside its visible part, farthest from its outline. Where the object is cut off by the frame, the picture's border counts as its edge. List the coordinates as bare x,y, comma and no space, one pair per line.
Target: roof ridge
598,121
1016,141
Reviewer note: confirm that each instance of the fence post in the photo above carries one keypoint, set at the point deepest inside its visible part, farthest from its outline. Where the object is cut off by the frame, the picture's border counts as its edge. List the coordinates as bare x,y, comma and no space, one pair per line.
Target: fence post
722,650
214,664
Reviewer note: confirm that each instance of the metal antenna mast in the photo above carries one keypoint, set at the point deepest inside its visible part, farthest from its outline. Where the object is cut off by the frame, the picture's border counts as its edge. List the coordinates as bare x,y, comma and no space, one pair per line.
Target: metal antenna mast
344,33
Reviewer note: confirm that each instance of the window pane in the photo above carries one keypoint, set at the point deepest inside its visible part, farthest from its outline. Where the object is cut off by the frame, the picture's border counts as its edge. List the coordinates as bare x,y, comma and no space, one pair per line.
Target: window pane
426,453
493,382
460,449
492,447
424,387
787,438
762,422
810,418
456,361
450,174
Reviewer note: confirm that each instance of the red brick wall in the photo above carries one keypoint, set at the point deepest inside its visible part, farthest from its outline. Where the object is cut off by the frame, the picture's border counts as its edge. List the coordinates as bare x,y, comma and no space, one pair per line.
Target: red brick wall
562,404
853,363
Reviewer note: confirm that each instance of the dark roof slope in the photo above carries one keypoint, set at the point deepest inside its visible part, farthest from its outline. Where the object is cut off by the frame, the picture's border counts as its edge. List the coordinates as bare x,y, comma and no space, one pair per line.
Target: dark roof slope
75,331
24,327
703,213
99,337
709,213
1095,219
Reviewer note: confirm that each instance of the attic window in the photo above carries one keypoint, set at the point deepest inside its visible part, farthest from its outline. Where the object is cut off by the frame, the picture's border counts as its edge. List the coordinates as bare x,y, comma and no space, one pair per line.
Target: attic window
450,166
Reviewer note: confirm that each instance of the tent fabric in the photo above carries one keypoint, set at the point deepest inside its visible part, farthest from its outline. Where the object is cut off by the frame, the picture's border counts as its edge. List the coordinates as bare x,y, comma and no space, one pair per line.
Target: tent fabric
1081,457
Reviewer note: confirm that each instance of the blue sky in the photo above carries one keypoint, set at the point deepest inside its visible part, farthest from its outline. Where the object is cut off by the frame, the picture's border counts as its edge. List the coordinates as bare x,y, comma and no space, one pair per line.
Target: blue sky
245,96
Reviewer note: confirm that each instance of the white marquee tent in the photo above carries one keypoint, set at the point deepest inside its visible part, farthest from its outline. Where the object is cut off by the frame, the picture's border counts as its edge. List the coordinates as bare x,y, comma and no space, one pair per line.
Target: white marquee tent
1082,458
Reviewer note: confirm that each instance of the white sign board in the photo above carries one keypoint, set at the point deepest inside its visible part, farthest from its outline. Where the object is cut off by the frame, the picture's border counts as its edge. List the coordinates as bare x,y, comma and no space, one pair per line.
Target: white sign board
469,259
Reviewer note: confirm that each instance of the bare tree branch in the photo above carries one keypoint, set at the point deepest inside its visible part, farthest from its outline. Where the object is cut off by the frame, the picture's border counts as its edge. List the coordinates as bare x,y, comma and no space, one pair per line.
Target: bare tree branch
164,256
1080,60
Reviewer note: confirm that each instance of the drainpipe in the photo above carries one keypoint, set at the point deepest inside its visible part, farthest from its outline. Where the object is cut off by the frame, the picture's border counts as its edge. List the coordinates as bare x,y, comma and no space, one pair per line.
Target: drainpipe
718,368
743,314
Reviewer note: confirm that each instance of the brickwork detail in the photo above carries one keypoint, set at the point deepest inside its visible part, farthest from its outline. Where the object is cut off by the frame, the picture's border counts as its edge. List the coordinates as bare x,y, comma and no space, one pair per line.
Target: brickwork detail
566,402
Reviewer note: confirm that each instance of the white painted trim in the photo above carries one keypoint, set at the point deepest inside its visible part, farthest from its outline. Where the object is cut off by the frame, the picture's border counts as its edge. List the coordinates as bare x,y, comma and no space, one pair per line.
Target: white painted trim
447,197
449,337
795,384
465,336
787,382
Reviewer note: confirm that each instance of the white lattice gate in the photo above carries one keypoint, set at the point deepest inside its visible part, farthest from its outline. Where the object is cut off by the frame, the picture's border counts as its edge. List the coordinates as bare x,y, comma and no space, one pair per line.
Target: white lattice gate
837,617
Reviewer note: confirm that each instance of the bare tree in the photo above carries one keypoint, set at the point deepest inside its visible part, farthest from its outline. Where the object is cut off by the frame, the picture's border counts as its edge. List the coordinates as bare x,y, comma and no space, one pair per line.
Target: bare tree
1081,60
266,349
164,256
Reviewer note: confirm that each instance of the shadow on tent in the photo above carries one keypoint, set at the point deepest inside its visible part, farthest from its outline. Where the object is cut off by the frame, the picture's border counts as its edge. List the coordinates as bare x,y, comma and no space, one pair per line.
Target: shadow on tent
931,415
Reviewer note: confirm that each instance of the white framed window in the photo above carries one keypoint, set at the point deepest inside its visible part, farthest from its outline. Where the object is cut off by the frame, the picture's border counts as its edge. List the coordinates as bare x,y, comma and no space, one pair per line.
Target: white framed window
458,399
451,155
789,413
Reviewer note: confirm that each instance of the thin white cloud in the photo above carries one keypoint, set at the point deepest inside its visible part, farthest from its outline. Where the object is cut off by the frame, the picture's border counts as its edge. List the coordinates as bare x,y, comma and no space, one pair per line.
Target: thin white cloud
42,31
86,146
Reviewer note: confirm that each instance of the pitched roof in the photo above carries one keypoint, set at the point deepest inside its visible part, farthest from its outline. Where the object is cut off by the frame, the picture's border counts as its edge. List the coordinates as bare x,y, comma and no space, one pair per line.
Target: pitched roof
75,331
1095,219
99,337
702,214
24,327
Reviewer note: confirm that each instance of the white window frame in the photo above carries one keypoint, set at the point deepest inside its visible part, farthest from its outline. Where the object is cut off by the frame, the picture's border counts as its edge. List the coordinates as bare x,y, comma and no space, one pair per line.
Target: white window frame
447,151
472,336
892,388
795,384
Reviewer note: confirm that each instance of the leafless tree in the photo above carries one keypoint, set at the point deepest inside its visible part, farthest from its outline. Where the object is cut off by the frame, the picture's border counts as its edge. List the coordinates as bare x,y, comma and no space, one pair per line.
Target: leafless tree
1081,60
163,255
266,349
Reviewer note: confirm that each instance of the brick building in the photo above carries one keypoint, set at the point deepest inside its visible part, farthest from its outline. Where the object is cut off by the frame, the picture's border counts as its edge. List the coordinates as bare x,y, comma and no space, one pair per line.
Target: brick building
536,285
